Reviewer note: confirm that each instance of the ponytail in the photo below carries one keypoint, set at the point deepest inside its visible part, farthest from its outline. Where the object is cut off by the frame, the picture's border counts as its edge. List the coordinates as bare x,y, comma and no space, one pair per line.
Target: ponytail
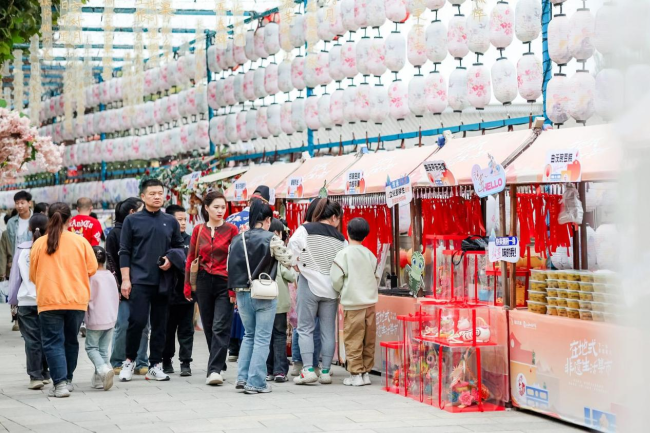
59,215
326,209
37,225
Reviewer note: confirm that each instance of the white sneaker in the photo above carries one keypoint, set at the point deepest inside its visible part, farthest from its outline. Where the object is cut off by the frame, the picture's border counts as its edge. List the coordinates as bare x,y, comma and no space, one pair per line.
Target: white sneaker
295,368
126,374
96,381
366,379
325,378
106,376
69,386
156,373
306,377
353,380
59,391
36,384
270,378
214,379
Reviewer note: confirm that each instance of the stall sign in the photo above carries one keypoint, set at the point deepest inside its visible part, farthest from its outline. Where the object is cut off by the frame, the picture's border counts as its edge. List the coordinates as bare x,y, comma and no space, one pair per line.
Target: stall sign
562,166
272,196
355,183
191,179
438,173
490,180
241,193
504,248
295,187
398,191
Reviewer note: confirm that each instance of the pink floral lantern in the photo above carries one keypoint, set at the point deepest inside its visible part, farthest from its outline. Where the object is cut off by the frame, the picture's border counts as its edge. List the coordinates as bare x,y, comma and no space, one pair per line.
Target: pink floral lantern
605,29
115,85
457,37
272,38
258,83
416,95
582,89
213,128
377,57
182,108
212,96
335,69
324,25
172,108
104,92
458,89
347,13
609,100
323,69
324,118
350,104
249,47
219,91
311,113
559,30
398,97
274,120
379,104
349,60
528,20
557,99
417,46
395,52
242,125
219,54
504,81
212,59
581,36
284,77
479,88
232,132
238,88
298,73
239,55
184,143
230,55
249,85
502,24
363,49
229,90
271,79
298,115
286,121
360,15
90,124
396,10
263,123
337,101
436,41
375,13
336,23
202,140
311,64
362,102
260,48
297,34
478,33
221,61
529,77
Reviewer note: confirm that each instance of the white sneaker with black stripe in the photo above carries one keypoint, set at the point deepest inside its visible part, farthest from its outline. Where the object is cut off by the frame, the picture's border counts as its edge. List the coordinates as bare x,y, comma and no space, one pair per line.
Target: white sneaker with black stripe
156,373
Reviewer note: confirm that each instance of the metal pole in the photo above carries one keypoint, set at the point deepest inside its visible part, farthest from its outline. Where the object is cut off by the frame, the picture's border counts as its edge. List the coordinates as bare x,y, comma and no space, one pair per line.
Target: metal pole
547,64
209,75
502,265
584,256
513,232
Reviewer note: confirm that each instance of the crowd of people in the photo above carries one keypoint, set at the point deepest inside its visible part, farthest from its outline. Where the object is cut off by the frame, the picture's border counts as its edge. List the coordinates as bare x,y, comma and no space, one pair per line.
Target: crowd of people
249,280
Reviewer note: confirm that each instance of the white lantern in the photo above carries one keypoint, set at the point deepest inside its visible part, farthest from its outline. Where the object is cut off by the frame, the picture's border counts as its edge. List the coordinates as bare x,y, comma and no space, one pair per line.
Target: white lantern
221,130
213,129
502,23
297,34
557,99
360,15
324,26
458,89
362,102
504,81
479,88
242,131
336,23
396,10
232,134
457,37
417,46
228,90
220,59
260,89
284,77
581,37
249,85
336,103
456,2
398,99
272,38
262,123
347,11
558,39
436,41
202,140
229,57
416,95
335,70
274,119
324,118
379,106
434,5
286,121
395,52
478,33
363,47
610,93
530,78
323,69
375,13
376,57
172,108
271,79
311,64
605,29
260,48
298,73
349,59
350,104
212,59
251,123
212,99
311,113
528,20
239,55
298,115
238,88
219,92
582,89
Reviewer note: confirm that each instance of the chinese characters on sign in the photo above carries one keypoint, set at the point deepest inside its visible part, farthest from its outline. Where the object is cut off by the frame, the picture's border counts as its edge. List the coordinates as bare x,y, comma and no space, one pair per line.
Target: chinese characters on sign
241,193
504,248
398,191
490,180
562,166
438,173
355,184
386,323
588,357
295,187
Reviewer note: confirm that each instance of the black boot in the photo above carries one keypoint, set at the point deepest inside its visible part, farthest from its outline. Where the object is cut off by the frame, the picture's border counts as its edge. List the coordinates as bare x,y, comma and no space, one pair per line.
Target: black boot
168,368
185,369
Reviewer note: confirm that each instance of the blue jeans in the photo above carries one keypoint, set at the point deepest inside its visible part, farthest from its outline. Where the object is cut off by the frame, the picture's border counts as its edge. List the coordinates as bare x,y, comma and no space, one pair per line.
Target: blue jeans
295,345
118,354
258,316
97,343
59,329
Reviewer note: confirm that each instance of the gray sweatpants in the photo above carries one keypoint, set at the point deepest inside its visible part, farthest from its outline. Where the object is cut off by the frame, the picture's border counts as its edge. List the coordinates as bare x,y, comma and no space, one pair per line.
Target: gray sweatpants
310,306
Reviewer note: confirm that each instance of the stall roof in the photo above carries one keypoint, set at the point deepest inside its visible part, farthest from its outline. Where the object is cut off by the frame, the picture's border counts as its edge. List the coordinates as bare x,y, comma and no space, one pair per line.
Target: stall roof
316,172
269,175
376,167
599,154
223,174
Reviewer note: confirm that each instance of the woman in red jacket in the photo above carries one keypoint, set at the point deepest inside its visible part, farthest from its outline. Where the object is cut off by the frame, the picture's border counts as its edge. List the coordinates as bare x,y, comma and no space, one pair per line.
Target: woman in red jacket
215,301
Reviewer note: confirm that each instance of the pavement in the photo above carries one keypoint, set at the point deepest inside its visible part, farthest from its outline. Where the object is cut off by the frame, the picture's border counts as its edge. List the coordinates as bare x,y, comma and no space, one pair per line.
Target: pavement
188,405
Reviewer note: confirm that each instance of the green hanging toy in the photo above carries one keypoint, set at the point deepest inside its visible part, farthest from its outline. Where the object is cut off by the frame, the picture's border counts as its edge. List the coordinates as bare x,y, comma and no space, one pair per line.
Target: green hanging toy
415,272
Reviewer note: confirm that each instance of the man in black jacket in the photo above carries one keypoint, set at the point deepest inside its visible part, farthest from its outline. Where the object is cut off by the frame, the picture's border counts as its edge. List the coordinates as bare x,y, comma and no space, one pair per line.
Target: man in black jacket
181,311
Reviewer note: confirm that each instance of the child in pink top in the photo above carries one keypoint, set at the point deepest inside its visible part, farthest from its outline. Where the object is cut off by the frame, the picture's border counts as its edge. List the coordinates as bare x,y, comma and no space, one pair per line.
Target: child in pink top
100,321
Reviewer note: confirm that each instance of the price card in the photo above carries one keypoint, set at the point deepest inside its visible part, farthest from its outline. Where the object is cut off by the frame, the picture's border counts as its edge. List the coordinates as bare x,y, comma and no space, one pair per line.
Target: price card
503,248
490,180
295,187
272,196
191,179
355,183
438,174
562,166
241,192
398,191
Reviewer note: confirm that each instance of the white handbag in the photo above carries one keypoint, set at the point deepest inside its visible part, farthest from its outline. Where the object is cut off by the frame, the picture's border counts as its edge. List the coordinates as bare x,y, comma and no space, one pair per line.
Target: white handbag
264,287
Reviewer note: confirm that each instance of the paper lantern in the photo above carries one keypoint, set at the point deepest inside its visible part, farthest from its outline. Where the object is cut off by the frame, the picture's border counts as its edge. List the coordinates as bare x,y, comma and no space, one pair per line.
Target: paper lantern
272,38
417,46
324,25
297,34
239,55
298,115
416,95
89,126
260,48
558,39
434,5
528,20
323,76
249,85
479,88
362,102
273,119
238,88
232,134
335,70
458,89
246,125
271,79
185,141
212,59
324,117
609,100
336,104
581,36
436,41
396,10
298,73
212,98
502,23
286,121
284,77
262,123
478,33
202,140
311,113
504,81
379,105
219,54
398,100
557,99
350,104
605,29
172,108
182,108
221,61
363,47
456,2
349,60
336,23
582,89
229,55
375,13
347,12
119,153
220,94
360,14
213,129
104,92
311,64
229,90
258,83
395,52
376,60
529,77
457,37
249,47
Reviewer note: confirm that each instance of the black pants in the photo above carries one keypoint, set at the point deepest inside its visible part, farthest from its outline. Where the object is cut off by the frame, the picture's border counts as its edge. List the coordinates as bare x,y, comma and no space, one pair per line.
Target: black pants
180,319
31,331
145,301
277,362
216,316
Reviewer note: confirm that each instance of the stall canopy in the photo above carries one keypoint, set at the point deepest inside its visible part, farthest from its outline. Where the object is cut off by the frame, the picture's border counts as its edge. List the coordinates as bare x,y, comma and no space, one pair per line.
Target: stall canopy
599,154
316,173
223,174
269,175
376,167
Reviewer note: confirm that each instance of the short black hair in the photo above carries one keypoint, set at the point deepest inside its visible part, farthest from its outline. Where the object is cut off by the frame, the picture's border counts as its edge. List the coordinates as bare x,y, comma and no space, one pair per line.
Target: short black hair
93,215
22,195
173,209
358,229
149,183
100,254
41,208
278,225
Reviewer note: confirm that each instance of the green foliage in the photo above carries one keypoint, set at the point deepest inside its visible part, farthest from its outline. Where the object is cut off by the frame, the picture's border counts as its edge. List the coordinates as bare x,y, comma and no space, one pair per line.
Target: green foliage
19,20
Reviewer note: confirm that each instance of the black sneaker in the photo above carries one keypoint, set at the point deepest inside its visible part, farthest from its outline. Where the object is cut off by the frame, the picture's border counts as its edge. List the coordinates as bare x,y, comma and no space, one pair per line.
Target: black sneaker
168,368
240,385
185,369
